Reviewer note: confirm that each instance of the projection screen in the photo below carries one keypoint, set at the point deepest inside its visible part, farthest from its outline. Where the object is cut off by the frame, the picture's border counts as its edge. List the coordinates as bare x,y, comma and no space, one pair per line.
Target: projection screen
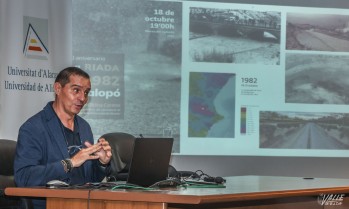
222,78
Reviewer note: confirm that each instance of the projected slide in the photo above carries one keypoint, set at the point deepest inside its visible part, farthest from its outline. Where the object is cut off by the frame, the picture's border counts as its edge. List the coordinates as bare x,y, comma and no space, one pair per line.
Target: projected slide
220,78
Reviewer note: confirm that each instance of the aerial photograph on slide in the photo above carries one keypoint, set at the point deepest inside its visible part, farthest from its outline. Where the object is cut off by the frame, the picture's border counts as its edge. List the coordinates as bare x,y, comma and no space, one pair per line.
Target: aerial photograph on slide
317,79
317,32
234,36
211,105
300,130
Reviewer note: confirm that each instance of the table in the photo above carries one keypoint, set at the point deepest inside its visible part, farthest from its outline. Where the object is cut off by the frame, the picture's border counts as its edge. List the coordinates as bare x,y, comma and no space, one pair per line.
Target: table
241,192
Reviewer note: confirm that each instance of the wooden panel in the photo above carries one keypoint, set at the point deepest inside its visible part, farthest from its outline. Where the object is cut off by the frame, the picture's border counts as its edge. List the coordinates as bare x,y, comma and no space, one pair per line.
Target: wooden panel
278,203
59,203
133,205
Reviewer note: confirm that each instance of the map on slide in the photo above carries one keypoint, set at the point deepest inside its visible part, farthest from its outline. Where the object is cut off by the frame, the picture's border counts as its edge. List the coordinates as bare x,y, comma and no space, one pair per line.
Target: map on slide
211,105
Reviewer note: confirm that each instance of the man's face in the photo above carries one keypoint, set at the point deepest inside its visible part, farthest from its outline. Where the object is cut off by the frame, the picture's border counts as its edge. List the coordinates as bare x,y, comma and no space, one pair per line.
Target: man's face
74,95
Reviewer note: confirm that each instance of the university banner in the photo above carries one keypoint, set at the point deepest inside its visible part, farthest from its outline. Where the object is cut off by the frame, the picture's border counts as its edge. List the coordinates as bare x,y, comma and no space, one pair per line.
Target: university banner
35,44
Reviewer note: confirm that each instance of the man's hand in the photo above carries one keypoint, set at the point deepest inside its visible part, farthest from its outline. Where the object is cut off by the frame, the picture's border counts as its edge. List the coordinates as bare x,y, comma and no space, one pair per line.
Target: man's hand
104,153
99,151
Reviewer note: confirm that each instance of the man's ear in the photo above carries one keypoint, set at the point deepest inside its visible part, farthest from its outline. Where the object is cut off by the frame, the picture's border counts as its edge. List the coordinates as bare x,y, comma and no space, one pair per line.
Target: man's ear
57,87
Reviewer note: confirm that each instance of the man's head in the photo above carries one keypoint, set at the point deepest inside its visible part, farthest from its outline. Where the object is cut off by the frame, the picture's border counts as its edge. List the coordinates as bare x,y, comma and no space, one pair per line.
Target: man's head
63,76
71,86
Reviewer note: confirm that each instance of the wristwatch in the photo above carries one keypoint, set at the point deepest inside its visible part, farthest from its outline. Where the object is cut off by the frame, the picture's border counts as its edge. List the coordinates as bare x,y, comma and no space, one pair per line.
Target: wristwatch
67,165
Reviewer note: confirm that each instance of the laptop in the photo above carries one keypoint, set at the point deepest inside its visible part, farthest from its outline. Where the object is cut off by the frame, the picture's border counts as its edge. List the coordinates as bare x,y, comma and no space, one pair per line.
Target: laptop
150,161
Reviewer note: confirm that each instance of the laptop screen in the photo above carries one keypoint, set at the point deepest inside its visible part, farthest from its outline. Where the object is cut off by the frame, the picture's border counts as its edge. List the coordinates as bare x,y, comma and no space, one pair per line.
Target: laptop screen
150,161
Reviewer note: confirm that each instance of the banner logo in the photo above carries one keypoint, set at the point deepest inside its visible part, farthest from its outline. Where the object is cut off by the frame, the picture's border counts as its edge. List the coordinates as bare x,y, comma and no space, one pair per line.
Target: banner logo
331,199
34,44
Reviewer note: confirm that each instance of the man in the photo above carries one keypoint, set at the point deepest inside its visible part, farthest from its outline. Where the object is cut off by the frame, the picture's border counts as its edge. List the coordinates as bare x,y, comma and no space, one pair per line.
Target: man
57,144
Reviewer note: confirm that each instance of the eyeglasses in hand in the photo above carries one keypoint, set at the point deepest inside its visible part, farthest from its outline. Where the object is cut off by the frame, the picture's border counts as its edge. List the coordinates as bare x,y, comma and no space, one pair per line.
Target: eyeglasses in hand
72,150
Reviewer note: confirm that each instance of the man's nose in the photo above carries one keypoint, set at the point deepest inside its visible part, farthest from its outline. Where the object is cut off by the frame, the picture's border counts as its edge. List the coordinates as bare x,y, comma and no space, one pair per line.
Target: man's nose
83,96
